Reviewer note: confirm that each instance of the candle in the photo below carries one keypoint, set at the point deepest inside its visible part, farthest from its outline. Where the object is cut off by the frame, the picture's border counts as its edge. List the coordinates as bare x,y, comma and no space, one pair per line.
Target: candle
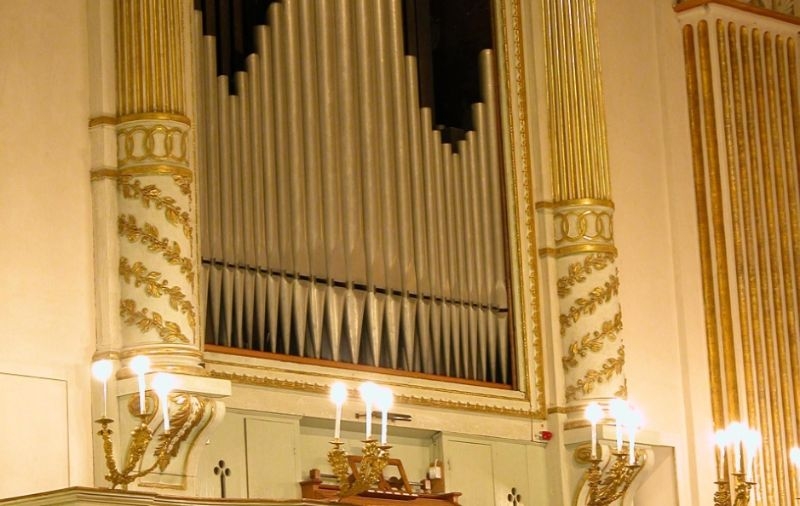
384,399
721,439
752,441
794,456
140,365
635,422
736,436
594,413
101,370
367,391
618,409
338,396
163,384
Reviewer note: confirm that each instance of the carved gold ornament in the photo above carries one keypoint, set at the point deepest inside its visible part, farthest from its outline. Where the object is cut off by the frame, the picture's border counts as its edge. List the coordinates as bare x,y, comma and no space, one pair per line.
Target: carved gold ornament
186,413
577,272
170,332
593,342
149,236
610,368
588,305
154,286
152,195
152,143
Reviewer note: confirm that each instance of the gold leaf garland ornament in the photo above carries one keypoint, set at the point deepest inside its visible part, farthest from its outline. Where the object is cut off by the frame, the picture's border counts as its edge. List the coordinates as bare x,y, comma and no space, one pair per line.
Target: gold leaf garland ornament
156,287
152,195
577,272
610,368
593,342
148,235
169,331
587,306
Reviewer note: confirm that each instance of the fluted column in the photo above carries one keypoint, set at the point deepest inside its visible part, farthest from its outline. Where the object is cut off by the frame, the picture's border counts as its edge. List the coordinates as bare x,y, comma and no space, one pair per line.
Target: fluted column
156,223
145,236
582,210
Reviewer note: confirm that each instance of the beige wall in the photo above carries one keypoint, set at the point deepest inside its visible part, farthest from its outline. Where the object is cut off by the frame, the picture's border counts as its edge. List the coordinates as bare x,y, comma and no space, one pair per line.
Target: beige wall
656,232
46,302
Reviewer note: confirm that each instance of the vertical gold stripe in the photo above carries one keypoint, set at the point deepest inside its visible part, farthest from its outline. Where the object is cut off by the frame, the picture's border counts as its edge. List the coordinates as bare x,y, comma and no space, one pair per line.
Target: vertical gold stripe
720,248
150,59
728,79
695,126
760,188
792,136
772,188
747,144
783,189
577,121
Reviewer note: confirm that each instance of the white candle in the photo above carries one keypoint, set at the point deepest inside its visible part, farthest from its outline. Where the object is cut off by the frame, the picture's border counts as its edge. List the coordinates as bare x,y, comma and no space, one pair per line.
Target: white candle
752,441
794,456
384,402
101,370
338,396
635,422
367,391
736,435
140,365
721,439
163,384
619,408
594,413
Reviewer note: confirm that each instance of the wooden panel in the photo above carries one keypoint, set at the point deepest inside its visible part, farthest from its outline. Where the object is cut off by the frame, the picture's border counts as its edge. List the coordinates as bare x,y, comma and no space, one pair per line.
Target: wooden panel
272,464
33,434
469,471
224,450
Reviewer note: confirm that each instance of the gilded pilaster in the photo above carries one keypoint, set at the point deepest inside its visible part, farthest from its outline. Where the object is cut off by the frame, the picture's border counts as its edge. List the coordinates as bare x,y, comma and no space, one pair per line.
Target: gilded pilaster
157,270
590,318
145,221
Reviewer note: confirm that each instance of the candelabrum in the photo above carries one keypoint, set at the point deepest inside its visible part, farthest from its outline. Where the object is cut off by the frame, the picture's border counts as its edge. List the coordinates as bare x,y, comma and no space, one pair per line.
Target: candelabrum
609,484
187,415
358,474
741,490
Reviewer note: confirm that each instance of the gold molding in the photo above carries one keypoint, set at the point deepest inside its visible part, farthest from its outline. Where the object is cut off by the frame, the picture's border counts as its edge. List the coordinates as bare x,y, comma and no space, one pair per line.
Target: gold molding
582,202
170,332
154,116
100,174
578,249
417,400
527,198
178,173
148,236
102,120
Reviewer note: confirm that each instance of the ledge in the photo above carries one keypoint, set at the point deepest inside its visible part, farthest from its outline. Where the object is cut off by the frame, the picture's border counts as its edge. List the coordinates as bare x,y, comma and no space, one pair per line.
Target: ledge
761,11
82,496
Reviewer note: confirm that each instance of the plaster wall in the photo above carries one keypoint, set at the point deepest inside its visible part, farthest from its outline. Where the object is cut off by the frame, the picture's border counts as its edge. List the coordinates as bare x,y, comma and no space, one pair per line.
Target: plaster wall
46,302
656,233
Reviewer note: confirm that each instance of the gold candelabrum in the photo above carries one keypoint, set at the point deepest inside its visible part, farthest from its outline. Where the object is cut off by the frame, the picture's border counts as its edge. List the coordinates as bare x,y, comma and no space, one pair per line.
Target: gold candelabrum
358,474
741,490
606,485
744,443
185,418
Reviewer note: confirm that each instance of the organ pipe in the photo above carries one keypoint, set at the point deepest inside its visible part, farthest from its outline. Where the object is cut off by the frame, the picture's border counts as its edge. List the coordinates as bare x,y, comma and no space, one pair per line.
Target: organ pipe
336,222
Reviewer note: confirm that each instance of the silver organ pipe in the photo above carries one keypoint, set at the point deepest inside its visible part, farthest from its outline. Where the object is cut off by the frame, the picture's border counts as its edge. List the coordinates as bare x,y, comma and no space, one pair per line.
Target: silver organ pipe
336,223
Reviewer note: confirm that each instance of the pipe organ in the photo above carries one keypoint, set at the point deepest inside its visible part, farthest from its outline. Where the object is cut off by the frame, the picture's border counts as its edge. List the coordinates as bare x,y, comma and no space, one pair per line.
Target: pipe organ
335,223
